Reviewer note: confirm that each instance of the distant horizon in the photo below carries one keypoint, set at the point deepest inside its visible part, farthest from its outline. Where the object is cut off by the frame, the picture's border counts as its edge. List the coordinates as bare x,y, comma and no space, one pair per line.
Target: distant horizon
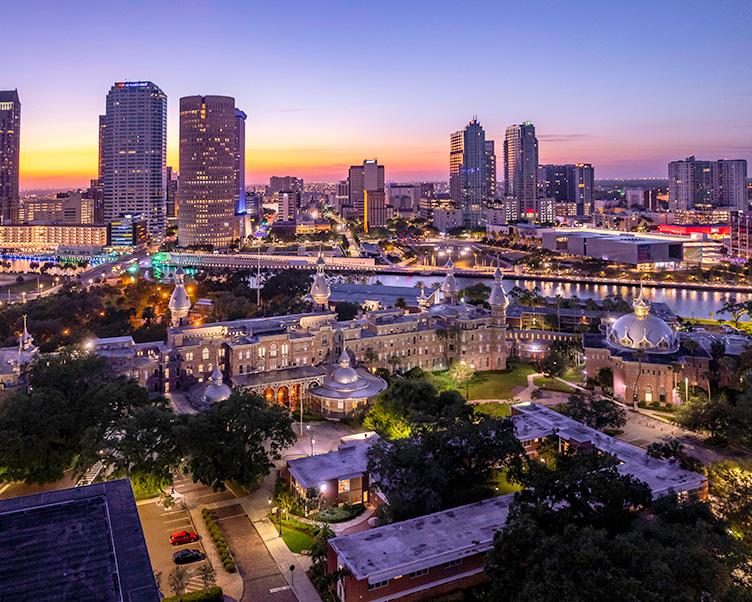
627,87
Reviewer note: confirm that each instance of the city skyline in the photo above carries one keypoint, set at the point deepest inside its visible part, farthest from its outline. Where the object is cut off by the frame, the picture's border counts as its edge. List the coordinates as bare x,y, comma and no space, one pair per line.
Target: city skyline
638,108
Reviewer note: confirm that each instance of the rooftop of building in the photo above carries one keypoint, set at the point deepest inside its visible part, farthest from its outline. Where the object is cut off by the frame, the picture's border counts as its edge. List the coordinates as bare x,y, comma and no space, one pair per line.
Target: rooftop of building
350,460
84,543
534,421
9,96
385,295
419,543
278,376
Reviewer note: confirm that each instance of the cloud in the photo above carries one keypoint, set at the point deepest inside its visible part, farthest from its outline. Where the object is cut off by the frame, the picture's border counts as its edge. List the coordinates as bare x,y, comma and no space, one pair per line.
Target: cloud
565,137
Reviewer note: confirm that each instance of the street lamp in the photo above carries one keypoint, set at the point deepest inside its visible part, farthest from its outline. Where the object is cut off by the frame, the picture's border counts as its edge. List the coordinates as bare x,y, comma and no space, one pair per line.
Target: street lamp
312,443
686,389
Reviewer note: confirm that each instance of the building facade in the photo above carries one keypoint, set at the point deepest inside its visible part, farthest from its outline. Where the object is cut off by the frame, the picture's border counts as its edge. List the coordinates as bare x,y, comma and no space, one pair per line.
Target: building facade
698,184
521,167
133,152
362,179
209,170
469,176
10,147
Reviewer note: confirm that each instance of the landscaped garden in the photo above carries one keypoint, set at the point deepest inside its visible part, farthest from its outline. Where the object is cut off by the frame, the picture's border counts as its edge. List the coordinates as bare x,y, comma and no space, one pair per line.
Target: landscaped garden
297,535
552,384
497,410
493,384
338,514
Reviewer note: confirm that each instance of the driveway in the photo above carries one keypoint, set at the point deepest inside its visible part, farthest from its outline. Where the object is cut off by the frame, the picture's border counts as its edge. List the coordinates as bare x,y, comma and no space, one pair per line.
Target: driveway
262,579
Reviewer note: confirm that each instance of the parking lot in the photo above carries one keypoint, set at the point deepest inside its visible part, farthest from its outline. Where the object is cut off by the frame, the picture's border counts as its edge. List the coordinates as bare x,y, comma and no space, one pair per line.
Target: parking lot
158,524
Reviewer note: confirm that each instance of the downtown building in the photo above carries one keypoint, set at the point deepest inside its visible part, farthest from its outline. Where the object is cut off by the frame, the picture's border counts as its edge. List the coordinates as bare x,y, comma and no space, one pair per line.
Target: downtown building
212,170
570,186
367,197
10,144
472,172
132,154
521,169
707,185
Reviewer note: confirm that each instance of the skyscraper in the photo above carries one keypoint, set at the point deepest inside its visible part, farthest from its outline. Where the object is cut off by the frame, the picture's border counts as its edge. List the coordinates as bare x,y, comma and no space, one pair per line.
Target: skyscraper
133,152
240,118
570,183
521,167
367,196
209,171
490,170
469,178
10,144
697,184
171,211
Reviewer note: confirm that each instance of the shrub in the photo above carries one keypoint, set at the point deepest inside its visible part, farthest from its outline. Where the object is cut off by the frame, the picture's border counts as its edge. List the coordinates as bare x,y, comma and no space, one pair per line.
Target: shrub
219,540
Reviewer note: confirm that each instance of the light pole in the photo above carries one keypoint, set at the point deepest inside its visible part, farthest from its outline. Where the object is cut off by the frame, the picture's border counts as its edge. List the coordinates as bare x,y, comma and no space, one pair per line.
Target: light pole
686,389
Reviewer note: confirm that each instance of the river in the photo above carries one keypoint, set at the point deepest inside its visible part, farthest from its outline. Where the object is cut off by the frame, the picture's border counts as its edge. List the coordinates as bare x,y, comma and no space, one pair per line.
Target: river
687,303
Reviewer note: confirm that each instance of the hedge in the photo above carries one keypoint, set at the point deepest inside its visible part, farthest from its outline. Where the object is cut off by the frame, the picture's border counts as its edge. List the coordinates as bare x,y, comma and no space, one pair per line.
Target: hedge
213,594
228,563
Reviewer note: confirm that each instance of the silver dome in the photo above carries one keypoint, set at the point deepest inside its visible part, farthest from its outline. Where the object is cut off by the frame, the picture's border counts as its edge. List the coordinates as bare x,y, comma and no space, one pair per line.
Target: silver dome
642,330
216,390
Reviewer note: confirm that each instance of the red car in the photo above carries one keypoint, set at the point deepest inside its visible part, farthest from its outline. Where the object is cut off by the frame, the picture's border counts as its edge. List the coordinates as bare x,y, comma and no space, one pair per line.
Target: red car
182,537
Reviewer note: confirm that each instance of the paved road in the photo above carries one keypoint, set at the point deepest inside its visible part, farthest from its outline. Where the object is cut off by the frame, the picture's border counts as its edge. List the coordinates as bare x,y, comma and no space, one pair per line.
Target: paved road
262,579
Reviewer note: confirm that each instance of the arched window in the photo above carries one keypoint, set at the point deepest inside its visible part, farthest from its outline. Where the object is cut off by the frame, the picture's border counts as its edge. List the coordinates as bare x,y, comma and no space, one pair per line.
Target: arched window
205,354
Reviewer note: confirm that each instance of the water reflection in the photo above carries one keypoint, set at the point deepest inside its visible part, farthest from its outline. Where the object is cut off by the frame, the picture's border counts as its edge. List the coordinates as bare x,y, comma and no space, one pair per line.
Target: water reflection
688,303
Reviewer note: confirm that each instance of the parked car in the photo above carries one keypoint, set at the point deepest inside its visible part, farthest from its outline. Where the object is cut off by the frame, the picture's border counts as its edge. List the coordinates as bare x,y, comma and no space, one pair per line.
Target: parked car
186,556
182,537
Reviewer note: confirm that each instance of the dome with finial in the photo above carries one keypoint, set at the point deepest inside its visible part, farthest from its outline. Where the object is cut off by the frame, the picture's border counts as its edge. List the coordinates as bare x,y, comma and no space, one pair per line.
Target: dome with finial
179,300
449,286
320,289
498,296
642,331
216,390
347,383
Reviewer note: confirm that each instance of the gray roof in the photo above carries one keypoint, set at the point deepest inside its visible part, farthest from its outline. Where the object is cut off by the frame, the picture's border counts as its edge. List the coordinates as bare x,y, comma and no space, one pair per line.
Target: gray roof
351,459
277,376
83,543
662,476
424,542
385,295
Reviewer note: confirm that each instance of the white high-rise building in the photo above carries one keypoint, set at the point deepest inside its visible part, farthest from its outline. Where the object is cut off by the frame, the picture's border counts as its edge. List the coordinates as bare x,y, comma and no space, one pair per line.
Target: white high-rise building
133,153
697,184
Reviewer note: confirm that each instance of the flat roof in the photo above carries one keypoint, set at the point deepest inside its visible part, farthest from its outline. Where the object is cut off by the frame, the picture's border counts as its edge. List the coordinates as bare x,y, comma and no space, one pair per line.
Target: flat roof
427,541
83,543
662,476
350,459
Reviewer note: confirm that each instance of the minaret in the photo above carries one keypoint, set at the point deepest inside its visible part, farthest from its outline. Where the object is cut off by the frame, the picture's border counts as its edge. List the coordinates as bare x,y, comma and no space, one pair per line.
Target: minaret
423,302
498,300
320,290
449,286
25,341
180,302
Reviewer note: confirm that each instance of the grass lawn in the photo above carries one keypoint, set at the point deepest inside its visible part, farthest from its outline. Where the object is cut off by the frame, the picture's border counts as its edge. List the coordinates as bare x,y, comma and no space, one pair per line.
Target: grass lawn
296,541
503,486
551,384
573,375
494,384
498,410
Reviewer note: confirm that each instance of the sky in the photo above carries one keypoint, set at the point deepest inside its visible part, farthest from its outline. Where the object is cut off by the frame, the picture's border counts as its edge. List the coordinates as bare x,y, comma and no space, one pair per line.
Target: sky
627,86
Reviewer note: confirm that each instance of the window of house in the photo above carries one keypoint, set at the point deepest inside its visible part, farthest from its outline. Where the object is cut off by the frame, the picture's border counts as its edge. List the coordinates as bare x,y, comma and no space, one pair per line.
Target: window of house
205,354
419,573
378,585
343,486
451,563
189,356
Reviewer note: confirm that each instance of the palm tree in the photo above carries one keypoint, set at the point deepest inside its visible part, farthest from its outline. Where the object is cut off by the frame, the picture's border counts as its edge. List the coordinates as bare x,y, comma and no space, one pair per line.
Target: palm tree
640,353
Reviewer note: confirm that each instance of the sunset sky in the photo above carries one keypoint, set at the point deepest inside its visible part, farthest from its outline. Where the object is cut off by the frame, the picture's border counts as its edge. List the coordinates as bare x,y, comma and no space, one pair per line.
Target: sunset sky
627,86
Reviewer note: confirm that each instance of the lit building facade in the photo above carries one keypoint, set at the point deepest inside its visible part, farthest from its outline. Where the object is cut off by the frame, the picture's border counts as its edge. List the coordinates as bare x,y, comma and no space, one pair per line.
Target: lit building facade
362,179
208,187
88,238
133,152
698,184
469,176
10,147
521,167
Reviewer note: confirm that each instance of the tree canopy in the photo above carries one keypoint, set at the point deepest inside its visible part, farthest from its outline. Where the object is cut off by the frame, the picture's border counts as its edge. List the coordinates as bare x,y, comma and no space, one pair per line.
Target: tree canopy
443,467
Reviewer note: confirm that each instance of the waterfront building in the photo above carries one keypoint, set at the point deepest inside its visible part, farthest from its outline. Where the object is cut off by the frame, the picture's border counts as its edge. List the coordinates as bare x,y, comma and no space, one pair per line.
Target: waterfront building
210,162
72,207
10,147
706,185
521,167
133,152
127,232
740,241
470,180
78,238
